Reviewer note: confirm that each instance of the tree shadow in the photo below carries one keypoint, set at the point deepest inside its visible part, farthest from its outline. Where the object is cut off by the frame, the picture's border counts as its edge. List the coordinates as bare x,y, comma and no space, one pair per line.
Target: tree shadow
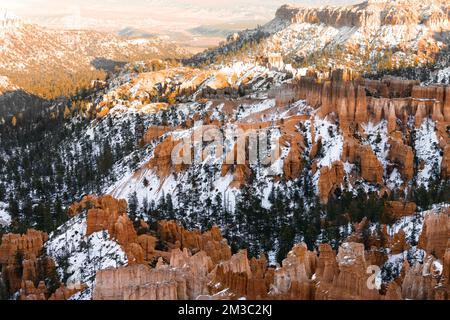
13,103
108,65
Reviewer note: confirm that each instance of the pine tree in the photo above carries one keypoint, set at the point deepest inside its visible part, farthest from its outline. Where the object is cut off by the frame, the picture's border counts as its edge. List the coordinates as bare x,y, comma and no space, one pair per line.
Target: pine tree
133,204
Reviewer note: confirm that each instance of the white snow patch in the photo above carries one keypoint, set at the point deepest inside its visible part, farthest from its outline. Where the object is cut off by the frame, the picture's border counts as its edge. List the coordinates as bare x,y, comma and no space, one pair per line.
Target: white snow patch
5,218
78,257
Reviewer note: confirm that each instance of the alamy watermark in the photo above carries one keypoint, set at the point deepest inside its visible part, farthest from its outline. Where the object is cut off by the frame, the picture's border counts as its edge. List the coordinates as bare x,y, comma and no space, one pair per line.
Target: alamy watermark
233,145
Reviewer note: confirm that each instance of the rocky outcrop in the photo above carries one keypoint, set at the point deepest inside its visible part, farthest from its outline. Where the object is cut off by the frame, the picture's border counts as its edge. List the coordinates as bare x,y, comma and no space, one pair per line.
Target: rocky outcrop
399,243
29,244
211,242
293,163
327,267
29,292
65,293
403,156
446,267
421,281
148,244
24,268
233,275
370,167
198,265
368,14
108,213
293,281
329,179
351,281
19,257
436,232
398,209
162,160
361,100
154,132
193,271
445,165
185,278
94,202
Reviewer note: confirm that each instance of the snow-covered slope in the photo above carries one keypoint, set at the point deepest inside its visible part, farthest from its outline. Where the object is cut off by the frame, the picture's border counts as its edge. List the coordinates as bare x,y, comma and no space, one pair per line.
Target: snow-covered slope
365,37
78,257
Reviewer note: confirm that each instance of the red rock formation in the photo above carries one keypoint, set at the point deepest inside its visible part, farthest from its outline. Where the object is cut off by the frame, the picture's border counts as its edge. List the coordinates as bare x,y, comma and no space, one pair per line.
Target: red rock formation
302,275
211,242
327,267
329,179
351,282
162,160
292,164
94,202
155,132
446,106
361,106
293,281
366,15
421,281
19,257
393,292
445,165
446,266
398,209
403,156
185,278
148,243
371,168
29,244
29,292
399,243
233,275
65,293
241,277
436,232
107,213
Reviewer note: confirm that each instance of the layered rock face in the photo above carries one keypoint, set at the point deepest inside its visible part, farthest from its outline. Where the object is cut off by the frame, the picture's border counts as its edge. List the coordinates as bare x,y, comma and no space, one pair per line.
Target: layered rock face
371,13
436,233
348,279
361,100
241,277
184,278
211,242
26,270
373,117
371,168
329,178
421,282
19,258
293,279
352,104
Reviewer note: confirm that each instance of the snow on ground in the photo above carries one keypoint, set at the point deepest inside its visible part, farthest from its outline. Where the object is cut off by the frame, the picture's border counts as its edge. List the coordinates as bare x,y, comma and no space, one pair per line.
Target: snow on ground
412,226
78,257
443,76
428,152
378,140
5,218
332,144
247,110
